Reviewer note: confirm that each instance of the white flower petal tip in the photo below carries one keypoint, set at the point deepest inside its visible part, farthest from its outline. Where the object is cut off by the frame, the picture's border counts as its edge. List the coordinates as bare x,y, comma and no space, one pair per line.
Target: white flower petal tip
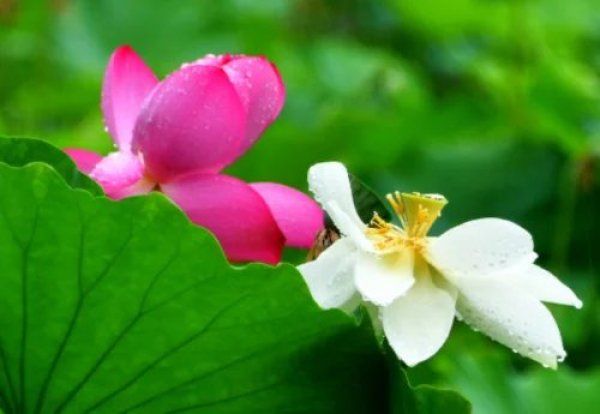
330,276
511,317
542,285
381,280
329,182
481,247
418,323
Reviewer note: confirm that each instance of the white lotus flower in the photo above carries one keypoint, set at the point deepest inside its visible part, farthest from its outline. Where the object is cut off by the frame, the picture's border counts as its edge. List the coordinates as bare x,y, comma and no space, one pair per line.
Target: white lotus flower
482,272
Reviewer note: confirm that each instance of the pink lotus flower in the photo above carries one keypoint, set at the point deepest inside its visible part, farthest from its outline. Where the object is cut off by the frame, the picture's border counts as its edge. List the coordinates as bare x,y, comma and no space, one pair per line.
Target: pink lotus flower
177,135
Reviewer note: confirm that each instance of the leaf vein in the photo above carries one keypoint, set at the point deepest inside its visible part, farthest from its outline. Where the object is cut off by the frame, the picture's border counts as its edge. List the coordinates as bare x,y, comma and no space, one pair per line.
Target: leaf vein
166,354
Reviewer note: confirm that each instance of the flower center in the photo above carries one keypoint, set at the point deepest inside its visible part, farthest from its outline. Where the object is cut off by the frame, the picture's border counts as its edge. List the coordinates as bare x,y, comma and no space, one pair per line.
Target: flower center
416,212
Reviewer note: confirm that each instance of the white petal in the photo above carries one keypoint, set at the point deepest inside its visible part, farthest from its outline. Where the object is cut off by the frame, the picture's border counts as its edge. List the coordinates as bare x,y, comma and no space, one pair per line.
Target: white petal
542,285
380,280
329,182
330,277
481,247
418,323
349,228
510,316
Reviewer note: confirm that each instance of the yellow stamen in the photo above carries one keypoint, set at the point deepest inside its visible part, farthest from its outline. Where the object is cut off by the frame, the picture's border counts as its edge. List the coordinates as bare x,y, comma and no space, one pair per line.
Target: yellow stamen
417,213
395,201
420,211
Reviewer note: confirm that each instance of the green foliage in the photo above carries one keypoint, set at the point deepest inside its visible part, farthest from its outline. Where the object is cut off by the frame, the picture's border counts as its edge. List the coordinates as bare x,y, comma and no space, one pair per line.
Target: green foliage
18,152
424,399
367,202
482,372
561,392
126,306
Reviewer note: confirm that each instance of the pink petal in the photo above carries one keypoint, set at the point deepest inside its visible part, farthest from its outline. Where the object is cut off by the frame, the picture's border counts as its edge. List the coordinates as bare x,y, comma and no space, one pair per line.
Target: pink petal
127,82
215,60
259,84
140,187
121,174
260,87
84,159
298,216
193,122
233,211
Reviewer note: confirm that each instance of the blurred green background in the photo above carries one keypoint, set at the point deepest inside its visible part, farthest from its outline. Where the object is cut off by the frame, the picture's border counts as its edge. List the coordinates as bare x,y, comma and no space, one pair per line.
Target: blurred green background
494,103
